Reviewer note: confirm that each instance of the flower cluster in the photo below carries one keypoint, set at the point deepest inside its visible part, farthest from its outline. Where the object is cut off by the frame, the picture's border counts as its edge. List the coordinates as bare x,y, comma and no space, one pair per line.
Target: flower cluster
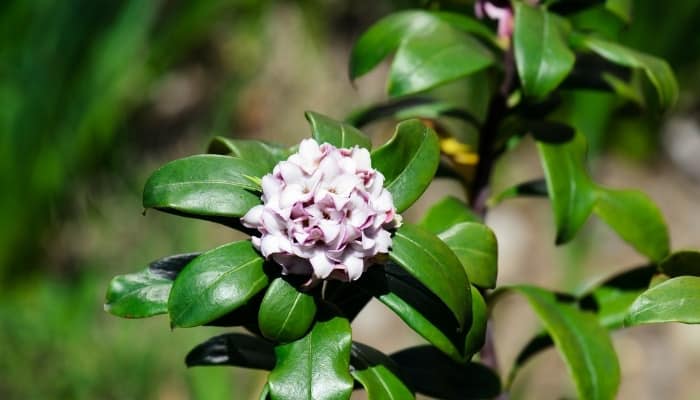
325,213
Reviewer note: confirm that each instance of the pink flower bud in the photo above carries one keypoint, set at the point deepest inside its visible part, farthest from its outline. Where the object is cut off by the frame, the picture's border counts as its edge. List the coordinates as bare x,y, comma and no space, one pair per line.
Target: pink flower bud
325,213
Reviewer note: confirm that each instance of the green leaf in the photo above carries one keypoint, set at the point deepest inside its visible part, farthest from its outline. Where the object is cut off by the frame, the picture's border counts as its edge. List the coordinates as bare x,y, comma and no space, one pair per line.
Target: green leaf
431,373
432,263
429,58
285,313
476,336
447,212
542,56
382,38
636,219
684,262
339,134
657,70
315,366
570,189
534,188
583,343
145,293
411,107
235,349
346,297
377,374
215,283
475,246
204,185
264,154
574,196
621,8
611,299
407,176
418,307
675,300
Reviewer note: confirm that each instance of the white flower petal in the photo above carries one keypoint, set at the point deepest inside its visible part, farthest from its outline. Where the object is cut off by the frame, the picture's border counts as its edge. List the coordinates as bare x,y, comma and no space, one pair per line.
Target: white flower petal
322,266
253,218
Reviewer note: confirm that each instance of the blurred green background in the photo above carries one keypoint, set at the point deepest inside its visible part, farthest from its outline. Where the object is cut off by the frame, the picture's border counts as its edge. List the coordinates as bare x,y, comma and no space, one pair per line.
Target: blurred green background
94,95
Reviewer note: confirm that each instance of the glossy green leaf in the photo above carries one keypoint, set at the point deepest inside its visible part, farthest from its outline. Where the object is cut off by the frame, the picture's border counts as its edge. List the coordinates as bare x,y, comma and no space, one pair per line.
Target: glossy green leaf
431,373
636,219
339,134
476,336
264,154
583,343
317,366
447,212
422,310
675,300
430,58
657,70
475,246
145,293
542,56
432,263
377,374
407,176
206,185
215,283
684,262
265,392
574,196
383,38
570,189
234,349
285,313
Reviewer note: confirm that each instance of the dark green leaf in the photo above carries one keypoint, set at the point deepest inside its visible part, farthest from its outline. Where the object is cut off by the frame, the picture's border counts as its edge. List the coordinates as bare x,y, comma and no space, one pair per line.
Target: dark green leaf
377,373
684,262
407,176
583,343
550,131
477,331
542,55
204,185
346,297
411,107
447,212
657,70
475,246
636,219
264,154
315,366
285,313
675,300
417,306
431,373
339,134
434,57
384,37
431,262
145,293
216,283
235,349
536,188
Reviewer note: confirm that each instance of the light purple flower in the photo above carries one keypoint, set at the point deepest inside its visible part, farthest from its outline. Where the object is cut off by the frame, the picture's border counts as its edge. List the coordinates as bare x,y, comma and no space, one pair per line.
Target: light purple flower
325,213
499,10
